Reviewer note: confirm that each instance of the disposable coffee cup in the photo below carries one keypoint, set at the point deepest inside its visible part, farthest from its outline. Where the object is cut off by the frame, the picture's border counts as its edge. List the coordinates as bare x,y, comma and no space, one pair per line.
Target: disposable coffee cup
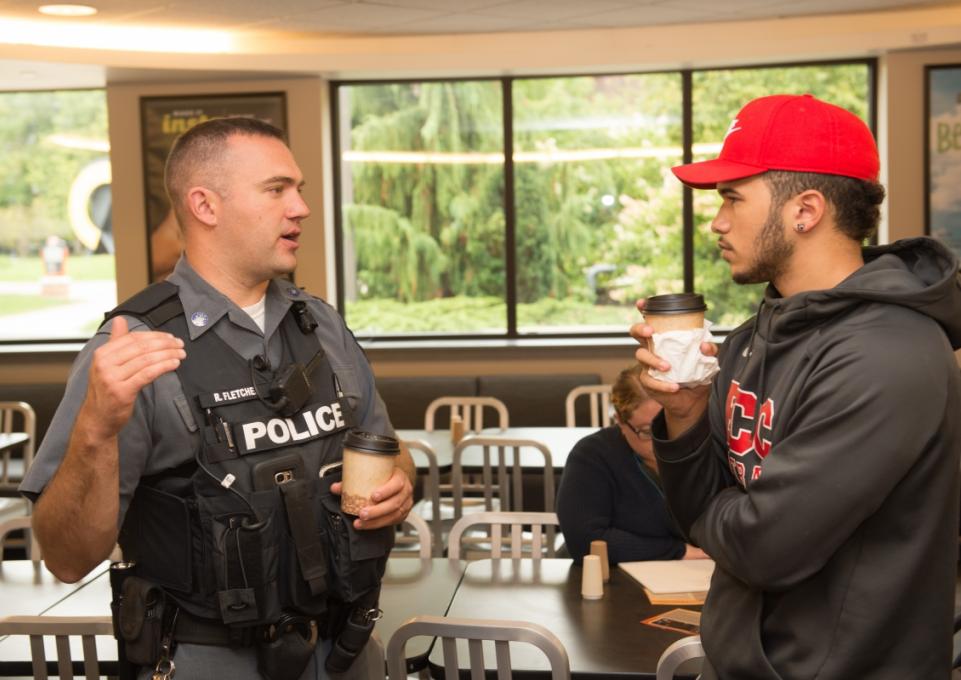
592,578
674,312
368,464
599,548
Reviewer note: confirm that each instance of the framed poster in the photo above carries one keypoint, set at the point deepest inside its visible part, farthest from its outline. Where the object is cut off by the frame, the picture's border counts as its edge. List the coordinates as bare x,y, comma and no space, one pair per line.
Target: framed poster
942,167
162,119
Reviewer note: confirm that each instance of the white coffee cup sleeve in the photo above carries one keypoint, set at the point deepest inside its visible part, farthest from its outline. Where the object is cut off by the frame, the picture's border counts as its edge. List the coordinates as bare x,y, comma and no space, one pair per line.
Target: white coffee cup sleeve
681,349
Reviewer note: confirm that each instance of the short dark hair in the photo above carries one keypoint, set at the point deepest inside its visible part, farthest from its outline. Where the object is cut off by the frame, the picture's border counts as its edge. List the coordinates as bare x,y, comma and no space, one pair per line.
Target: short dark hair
202,146
856,202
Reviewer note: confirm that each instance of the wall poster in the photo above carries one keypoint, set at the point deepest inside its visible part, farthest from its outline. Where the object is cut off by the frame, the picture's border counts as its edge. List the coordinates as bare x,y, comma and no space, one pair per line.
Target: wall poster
162,120
943,155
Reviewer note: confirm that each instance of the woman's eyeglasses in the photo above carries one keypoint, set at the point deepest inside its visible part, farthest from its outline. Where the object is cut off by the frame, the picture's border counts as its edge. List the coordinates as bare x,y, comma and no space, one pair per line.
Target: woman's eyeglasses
641,432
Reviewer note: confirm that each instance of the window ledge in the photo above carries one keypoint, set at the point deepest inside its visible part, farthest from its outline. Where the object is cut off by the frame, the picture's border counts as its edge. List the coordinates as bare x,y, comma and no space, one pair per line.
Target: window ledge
494,343
45,348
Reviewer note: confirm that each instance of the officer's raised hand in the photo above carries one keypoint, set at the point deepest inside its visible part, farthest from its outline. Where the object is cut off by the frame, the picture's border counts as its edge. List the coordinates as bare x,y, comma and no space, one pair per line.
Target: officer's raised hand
392,502
122,367
86,485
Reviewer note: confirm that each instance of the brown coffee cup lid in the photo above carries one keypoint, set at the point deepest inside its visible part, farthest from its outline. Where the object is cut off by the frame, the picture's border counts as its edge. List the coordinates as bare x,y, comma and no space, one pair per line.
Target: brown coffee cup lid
675,303
368,442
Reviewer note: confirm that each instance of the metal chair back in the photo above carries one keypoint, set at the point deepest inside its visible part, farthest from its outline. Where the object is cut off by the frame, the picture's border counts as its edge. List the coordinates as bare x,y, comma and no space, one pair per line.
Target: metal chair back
421,536
599,398
682,650
431,494
16,417
61,628
473,633
534,529
20,524
501,474
471,409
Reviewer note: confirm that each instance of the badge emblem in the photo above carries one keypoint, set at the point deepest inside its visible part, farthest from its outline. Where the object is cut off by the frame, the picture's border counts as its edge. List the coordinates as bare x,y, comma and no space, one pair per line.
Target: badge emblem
199,319
293,291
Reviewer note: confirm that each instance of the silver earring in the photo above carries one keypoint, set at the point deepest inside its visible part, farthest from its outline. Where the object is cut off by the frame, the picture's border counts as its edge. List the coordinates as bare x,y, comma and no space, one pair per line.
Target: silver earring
799,227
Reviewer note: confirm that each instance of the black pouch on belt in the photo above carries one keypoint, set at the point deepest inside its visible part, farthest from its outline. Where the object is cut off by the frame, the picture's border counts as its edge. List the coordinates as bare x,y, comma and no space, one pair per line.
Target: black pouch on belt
141,620
287,651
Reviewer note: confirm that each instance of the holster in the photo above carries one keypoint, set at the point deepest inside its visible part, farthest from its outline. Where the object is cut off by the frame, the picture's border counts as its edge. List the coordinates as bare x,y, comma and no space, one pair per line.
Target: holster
286,652
119,572
141,620
356,630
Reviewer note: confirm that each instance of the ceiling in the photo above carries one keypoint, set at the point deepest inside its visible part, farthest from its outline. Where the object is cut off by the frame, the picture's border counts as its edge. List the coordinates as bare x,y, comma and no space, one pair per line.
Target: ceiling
416,17
382,18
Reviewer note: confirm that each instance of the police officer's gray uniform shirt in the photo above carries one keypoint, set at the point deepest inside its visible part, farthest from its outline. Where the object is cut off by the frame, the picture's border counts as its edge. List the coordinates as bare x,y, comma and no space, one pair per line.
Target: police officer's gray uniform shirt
161,433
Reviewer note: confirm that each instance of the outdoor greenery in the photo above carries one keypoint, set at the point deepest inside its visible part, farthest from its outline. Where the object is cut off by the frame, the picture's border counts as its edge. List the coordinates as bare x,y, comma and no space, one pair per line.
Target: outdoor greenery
30,269
46,140
38,163
597,212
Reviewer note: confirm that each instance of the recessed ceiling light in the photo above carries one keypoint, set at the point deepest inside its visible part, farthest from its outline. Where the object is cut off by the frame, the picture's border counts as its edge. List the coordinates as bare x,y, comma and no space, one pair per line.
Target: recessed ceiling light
67,10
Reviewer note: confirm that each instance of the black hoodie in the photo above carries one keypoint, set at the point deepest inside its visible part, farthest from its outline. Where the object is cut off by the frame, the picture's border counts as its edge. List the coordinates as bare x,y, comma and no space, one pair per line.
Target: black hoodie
824,478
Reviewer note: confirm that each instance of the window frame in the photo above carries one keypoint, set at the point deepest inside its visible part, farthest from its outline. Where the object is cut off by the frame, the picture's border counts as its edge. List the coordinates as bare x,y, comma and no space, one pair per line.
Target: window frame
687,201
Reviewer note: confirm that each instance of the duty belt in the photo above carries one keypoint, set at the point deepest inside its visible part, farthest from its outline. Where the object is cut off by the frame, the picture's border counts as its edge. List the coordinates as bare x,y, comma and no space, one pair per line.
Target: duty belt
199,631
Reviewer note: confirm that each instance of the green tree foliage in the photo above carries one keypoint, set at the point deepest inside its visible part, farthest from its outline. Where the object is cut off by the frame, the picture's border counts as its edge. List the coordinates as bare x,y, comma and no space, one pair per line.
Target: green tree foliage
598,213
459,206
35,171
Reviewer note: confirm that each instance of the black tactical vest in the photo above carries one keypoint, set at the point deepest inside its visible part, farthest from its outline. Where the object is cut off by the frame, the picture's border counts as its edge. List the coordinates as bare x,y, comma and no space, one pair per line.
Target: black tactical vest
248,530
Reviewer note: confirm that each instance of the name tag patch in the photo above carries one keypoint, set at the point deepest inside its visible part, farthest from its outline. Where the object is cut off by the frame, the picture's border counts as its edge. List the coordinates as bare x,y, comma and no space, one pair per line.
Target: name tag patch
225,397
319,420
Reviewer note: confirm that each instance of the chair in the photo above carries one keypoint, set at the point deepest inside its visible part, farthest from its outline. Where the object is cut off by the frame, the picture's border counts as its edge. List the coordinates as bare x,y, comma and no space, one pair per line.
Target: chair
20,524
16,417
517,521
680,651
471,409
431,493
421,537
475,632
507,491
599,397
61,628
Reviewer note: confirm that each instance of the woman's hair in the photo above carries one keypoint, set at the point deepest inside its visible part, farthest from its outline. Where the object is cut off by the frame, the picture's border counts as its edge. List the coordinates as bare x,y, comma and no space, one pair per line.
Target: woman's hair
627,393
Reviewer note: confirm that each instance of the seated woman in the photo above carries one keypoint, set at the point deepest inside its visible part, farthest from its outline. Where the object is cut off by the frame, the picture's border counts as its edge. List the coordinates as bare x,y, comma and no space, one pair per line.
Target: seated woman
610,489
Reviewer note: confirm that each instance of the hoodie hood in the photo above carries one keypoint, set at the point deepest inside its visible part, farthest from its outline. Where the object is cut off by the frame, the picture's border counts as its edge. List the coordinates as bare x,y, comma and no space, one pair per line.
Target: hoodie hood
918,273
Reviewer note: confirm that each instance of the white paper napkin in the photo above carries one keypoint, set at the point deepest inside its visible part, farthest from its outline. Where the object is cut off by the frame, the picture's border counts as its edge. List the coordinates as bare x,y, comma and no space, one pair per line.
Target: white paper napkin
681,349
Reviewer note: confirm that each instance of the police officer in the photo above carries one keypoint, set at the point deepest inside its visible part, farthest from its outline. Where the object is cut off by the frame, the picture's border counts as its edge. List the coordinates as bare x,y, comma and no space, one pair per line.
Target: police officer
148,435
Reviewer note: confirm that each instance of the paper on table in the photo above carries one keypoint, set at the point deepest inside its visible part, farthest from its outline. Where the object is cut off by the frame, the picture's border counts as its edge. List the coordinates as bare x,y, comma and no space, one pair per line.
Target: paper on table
672,576
681,349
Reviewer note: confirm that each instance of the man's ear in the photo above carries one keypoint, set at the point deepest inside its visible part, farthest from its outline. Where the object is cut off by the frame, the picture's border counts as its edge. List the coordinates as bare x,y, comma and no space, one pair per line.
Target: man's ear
204,205
808,208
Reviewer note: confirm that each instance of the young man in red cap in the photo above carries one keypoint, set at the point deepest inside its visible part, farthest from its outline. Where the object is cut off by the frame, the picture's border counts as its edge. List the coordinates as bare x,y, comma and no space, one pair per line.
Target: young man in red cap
820,469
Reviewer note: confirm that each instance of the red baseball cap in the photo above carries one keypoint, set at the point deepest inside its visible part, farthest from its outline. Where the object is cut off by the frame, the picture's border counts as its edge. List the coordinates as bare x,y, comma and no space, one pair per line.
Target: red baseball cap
789,132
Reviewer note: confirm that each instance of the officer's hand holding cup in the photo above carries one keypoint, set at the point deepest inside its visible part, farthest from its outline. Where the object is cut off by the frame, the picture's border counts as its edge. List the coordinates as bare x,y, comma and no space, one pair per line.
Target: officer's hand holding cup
369,461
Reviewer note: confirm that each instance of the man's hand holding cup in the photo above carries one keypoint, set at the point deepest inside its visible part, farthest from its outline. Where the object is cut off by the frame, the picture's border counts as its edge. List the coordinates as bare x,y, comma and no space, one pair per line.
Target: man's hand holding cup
683,403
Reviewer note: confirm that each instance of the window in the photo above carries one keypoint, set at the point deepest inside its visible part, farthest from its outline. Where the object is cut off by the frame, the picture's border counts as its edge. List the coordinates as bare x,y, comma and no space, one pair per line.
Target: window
543,206
56,244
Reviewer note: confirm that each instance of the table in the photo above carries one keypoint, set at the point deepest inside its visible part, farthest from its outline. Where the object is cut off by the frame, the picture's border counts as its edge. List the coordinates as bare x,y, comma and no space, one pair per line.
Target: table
29,588
560,441
603,638
410,587
10,439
